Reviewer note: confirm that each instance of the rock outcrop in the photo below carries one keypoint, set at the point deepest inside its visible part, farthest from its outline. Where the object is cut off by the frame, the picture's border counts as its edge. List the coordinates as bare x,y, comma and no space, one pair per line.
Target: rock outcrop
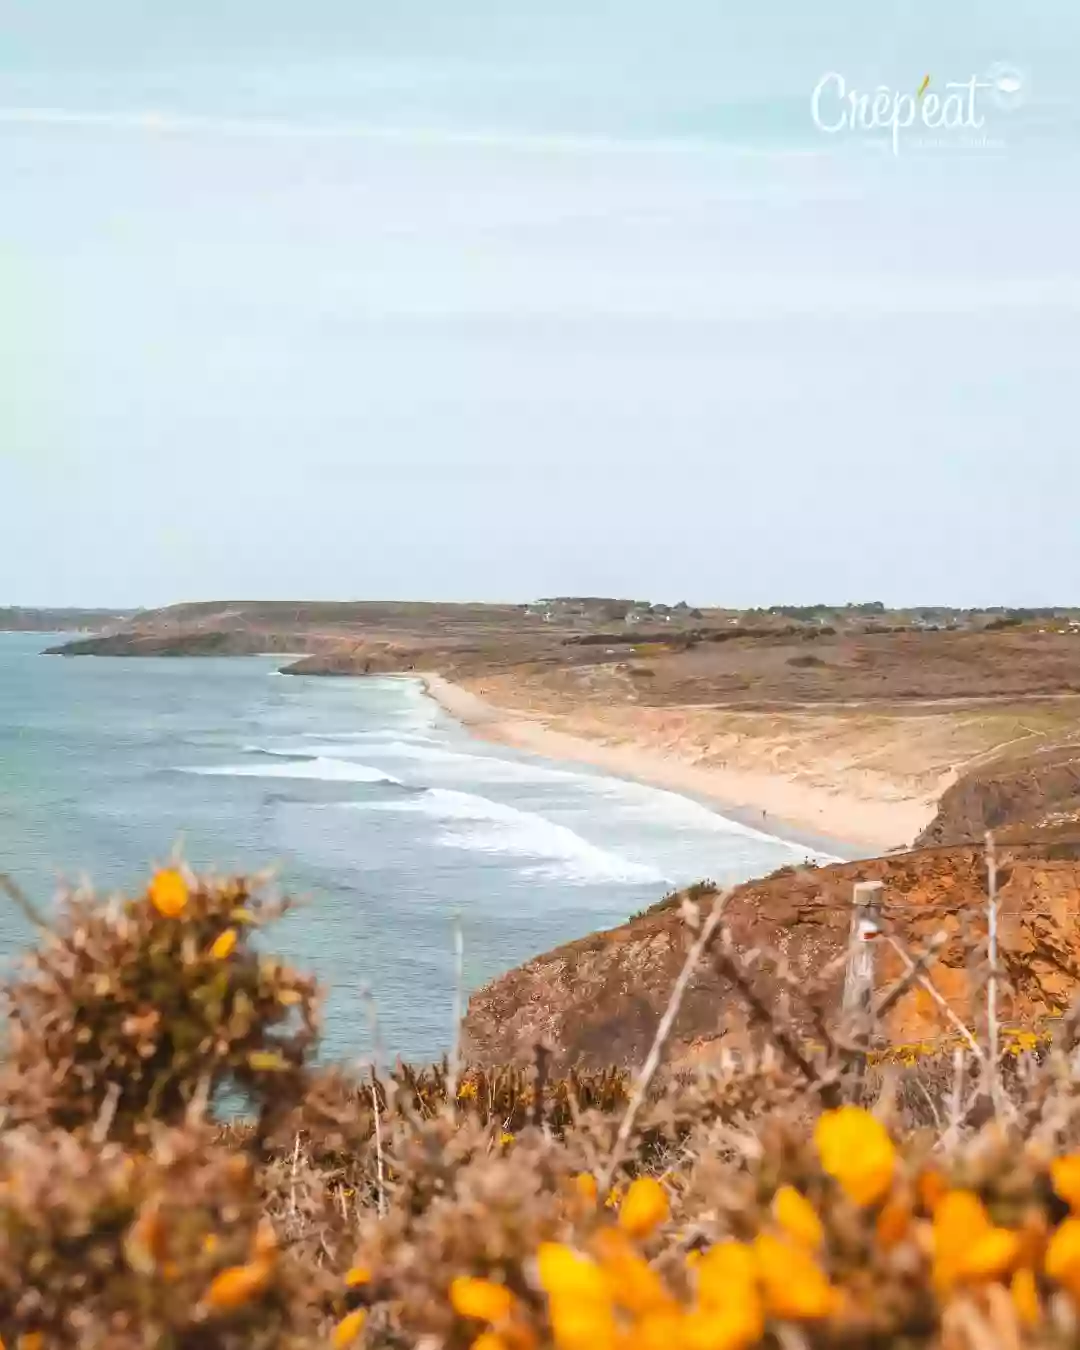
1035,793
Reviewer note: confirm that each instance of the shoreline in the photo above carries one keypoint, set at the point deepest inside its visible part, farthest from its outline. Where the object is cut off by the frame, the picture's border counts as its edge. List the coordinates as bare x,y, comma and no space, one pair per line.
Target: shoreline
759,795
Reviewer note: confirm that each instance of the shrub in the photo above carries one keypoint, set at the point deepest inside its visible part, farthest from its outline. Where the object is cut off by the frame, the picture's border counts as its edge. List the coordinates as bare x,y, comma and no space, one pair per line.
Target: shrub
167,1246
134,1009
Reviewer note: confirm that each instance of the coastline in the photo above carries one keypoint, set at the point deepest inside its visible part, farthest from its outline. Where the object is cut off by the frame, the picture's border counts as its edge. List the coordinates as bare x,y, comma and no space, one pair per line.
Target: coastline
827,823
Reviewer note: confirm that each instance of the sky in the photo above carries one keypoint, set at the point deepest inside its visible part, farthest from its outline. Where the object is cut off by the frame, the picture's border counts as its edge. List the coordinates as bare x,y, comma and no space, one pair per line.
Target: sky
486,299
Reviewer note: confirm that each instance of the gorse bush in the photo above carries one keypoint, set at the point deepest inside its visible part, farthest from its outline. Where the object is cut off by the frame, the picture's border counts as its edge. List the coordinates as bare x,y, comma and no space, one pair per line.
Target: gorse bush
777,1198
134,1008
171,1246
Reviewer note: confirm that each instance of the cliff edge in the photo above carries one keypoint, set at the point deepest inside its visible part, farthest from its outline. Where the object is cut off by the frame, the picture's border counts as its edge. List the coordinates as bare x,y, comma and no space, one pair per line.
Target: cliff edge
598,1001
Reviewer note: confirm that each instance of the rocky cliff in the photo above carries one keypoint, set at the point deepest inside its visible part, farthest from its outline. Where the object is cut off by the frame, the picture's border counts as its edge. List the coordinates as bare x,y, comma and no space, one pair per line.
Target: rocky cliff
598,1001
1036,793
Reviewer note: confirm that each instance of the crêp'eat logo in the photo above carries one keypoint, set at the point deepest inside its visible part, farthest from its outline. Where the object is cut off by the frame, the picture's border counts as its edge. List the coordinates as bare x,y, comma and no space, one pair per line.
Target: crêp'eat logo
959,109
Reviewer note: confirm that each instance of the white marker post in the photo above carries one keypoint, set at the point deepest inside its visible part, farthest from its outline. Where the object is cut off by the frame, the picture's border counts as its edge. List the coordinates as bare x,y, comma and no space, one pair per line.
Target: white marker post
862,945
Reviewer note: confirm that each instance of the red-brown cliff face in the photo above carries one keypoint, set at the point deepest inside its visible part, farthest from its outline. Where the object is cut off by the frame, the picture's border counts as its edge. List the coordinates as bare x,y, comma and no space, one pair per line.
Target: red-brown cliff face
597,1001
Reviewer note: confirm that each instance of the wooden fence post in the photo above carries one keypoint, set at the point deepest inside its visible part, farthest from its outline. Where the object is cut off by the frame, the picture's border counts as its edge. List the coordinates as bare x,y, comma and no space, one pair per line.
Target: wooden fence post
865,927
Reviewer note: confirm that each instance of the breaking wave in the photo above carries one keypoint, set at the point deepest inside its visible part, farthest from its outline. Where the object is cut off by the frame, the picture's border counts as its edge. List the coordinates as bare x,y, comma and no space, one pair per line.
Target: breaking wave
320,767
479,825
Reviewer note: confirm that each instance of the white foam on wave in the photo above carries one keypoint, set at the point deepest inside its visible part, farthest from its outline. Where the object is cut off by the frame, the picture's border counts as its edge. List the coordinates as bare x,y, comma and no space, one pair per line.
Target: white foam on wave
321,768
476,768
478,824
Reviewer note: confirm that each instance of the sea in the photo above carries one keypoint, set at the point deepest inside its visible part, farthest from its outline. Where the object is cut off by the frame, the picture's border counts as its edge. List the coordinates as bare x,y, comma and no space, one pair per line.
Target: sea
415,850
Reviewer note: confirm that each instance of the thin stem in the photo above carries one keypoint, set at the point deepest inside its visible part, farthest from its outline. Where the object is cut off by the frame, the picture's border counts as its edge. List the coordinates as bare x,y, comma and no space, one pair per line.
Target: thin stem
935,994
663,1031
379,1168
992,1030
459,983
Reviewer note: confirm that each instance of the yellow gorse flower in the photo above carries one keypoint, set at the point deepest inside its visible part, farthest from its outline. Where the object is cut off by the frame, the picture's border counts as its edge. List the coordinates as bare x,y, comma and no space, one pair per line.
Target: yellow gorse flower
960,1224
645,1207
580,1305
724,1272
736,1326
489,1340
169,893
585,1186
565,1273
1065,1176
348,1329
633,1284
730,1314
1025,1296
893,1222
660,1330
1062,1262
855,1148
798,1218
223,944
239,1285
795,1286
483,1300
583,1326
992,1256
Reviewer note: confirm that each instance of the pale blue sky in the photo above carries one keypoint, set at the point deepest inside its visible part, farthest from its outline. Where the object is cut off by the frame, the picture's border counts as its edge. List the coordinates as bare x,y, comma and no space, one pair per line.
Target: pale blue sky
480,299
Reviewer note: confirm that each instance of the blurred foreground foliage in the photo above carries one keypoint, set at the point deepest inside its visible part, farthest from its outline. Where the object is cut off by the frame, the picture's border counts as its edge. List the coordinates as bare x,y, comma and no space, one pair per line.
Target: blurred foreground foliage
733,1206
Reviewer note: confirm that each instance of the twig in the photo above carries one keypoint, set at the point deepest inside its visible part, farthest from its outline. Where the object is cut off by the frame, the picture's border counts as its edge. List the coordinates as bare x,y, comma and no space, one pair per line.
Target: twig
106,1115
918,969
992,1032
22,901
379,1172
730,966
663,1031
292,1176
373,1025
930,1103
543,1059
459,981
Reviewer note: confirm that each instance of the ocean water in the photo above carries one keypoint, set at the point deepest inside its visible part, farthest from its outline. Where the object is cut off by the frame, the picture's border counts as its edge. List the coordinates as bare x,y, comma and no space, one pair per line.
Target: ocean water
386,816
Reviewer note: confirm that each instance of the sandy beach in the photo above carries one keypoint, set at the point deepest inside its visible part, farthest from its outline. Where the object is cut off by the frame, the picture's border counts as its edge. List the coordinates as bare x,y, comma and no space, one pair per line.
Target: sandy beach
796,777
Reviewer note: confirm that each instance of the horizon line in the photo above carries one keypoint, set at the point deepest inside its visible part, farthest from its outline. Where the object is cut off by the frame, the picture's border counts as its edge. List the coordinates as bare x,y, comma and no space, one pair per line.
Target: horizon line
156,121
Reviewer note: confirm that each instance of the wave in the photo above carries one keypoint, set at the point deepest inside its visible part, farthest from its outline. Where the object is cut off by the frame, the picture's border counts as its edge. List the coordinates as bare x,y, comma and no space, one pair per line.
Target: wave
320,767
475,767
478,824
276,754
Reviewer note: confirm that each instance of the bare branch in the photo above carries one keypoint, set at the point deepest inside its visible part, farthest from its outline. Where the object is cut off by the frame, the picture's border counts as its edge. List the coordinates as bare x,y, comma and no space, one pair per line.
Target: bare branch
912,975
729,965
935,994
663,1031
22,902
